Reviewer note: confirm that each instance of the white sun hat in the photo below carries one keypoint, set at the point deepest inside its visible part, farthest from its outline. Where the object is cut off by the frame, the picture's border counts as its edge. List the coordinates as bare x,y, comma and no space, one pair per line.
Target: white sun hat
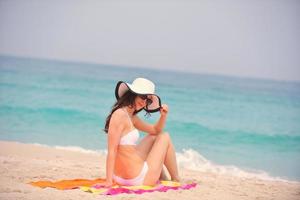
140,86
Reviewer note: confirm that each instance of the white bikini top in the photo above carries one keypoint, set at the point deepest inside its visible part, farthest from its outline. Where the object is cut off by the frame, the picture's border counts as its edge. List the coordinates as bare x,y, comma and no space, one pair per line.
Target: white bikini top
131,137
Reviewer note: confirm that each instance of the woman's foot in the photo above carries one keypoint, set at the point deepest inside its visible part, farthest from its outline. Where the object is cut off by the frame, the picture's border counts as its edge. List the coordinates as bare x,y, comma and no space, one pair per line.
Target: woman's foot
176,179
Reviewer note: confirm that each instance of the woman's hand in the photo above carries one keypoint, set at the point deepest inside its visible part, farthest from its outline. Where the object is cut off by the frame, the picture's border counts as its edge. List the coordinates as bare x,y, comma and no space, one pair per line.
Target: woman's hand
108,184
164,110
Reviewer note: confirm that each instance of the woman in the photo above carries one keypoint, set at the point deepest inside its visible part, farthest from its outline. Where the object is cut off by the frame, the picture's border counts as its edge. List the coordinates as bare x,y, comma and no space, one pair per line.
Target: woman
129,163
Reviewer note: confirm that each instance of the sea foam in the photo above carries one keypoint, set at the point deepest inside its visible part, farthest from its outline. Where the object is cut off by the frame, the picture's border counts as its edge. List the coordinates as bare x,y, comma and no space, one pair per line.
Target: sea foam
192,160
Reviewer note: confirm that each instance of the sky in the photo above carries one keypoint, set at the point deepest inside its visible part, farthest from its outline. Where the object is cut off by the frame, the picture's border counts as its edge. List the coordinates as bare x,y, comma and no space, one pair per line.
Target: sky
256,38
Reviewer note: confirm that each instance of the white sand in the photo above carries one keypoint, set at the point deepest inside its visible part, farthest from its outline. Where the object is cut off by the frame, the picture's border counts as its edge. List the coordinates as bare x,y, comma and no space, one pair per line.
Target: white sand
22,163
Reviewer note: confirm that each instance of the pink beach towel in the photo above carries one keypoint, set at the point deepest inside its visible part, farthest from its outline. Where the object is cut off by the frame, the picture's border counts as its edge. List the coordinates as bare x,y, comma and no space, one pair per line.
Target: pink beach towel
162,186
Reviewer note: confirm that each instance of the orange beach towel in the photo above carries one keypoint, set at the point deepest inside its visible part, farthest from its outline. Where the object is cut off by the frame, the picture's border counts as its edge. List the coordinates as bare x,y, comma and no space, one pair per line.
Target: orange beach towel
67,184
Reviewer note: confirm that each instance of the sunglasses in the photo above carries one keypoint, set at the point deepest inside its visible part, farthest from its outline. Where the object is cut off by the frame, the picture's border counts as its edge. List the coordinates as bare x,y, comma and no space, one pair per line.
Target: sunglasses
145,97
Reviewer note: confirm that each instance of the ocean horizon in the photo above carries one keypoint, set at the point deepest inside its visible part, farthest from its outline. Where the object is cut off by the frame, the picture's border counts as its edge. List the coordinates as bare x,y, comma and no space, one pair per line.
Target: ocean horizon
231,125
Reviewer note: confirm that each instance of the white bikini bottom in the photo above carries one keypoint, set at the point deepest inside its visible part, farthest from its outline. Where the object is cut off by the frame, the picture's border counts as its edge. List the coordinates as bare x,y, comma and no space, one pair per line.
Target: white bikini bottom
139,180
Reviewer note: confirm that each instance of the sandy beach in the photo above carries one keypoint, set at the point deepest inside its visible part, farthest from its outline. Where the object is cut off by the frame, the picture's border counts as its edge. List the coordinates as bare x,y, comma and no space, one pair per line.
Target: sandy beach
22,163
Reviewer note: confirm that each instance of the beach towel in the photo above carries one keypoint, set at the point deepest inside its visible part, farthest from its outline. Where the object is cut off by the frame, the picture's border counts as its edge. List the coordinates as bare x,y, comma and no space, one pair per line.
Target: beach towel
93,186
67,184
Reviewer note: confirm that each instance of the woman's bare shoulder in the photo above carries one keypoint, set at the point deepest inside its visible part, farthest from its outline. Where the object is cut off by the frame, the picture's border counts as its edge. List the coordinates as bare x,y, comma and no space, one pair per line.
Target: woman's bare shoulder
119,114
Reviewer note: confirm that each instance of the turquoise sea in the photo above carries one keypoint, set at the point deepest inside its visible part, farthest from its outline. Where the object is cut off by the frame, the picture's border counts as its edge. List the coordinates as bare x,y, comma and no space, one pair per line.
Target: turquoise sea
229,125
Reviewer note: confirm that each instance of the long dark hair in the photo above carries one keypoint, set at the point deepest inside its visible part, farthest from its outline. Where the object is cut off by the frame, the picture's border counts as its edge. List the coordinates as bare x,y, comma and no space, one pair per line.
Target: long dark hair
126,100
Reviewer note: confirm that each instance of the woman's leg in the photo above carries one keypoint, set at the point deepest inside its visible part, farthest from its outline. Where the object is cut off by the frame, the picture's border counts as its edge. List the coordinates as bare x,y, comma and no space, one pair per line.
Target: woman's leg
171,162
144,148
161,152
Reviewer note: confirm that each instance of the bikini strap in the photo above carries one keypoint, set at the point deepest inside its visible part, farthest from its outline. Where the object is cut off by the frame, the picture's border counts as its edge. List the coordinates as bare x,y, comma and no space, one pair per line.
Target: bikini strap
128,116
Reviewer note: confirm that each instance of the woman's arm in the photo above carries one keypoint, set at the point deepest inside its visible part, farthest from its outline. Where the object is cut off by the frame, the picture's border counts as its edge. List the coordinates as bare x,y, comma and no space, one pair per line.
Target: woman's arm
152,129
159,126
114,133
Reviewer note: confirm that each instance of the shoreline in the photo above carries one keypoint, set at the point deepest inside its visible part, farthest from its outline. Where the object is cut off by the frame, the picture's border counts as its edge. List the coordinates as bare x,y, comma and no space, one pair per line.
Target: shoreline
226,170
22,163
